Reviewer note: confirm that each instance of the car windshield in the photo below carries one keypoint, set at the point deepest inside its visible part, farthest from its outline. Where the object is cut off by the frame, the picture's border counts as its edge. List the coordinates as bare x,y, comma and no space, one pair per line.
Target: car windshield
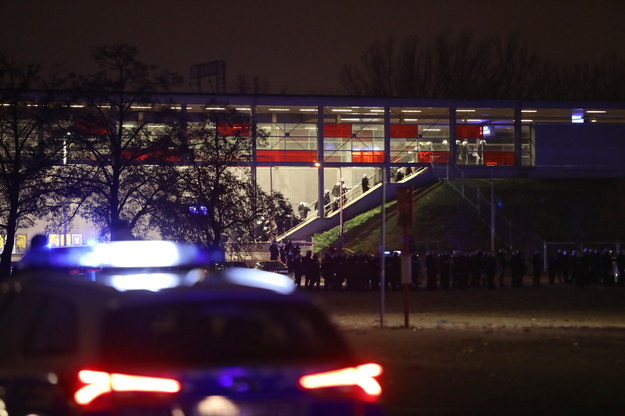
200,333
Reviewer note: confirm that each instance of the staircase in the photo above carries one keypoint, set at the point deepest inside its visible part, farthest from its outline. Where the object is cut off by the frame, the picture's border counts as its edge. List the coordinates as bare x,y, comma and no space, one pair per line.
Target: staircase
357,203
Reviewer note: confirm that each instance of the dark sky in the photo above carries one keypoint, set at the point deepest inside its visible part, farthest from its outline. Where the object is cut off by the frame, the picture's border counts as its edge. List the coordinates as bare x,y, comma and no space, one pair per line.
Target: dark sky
294,44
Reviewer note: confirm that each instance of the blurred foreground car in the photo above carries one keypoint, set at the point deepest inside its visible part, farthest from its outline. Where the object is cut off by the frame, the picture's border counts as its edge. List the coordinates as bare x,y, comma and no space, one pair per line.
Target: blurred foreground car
233,263
273,266
139,328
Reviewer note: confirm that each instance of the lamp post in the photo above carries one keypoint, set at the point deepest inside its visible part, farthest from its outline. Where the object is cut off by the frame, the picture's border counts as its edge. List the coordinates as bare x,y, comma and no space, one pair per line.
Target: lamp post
340,209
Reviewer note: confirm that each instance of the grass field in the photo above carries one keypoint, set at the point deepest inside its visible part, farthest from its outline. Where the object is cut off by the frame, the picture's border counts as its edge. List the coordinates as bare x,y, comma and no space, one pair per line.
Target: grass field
546,351
578,211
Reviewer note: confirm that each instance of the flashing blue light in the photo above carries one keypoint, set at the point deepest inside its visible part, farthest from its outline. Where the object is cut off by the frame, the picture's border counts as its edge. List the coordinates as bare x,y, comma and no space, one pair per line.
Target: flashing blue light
123,254
577,118
133,254
198,209
148,253
486,130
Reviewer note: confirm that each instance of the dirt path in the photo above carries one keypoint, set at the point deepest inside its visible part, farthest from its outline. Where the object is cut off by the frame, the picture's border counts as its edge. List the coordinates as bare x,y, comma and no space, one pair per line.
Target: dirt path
523,351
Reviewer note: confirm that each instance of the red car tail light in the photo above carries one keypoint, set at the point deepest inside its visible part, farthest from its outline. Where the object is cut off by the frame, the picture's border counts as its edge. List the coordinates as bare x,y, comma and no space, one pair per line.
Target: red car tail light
362,376
98,383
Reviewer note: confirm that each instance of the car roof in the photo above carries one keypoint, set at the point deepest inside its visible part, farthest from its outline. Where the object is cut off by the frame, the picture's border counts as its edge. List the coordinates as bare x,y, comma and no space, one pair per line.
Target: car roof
95,296
136,265
128,253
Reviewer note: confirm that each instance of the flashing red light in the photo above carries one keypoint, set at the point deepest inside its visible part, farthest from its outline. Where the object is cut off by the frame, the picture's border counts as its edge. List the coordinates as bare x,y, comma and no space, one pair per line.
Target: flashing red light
362,376
98,383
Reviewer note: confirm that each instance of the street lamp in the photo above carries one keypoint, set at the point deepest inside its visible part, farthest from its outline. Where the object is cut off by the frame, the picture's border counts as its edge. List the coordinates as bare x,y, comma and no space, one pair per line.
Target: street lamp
340,209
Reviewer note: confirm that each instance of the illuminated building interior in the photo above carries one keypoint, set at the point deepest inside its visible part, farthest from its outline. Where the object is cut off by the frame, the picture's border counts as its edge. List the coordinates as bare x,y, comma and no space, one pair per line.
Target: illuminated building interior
305,144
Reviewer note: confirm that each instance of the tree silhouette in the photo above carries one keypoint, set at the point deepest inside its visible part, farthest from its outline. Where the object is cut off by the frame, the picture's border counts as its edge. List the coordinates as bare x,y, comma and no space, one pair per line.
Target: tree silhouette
463,66
114,140
215,199
32,148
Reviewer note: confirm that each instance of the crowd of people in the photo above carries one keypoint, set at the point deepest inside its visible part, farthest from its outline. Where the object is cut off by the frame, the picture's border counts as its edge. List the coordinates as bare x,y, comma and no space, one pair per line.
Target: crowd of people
432,270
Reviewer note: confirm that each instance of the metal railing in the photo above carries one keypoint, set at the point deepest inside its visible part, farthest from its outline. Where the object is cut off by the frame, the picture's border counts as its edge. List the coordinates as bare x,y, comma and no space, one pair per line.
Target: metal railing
349,196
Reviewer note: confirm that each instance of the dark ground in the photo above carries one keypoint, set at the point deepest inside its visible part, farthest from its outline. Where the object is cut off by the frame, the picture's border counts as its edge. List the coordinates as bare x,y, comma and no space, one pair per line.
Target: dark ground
540,351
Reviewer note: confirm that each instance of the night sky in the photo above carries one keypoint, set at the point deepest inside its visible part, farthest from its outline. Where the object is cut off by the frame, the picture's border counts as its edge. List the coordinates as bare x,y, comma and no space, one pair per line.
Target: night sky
293,44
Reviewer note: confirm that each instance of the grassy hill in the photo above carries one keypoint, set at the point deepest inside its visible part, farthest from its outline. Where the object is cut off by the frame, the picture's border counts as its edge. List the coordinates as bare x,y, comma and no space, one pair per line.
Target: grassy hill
563,210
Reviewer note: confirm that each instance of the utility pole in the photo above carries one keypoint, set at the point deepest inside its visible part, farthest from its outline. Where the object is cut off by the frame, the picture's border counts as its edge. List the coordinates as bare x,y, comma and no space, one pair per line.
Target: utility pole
382,248
492,212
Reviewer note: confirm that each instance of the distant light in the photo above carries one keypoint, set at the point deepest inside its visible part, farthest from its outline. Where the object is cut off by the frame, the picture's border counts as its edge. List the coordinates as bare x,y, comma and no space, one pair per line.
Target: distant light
529,111
410,111
201,209
242,109
431,129
527,121
141,107
411,119
341,110
464,111
311,110
596,111
279,109
215,108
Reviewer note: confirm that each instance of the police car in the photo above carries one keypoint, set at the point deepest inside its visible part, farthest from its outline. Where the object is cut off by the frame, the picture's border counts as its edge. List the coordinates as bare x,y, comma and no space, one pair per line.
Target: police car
142,328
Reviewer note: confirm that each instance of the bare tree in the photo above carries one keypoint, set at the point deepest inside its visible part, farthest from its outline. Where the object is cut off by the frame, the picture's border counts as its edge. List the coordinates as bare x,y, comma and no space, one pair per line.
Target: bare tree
215,198
251,85
113,135
452,66
31,154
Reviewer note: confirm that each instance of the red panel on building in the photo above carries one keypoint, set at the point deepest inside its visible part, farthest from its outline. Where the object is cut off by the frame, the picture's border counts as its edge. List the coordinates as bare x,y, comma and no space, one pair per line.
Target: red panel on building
433,157
404,130
162,155
469,131
234,129
499,158
337,130
90,127
286,156
372,156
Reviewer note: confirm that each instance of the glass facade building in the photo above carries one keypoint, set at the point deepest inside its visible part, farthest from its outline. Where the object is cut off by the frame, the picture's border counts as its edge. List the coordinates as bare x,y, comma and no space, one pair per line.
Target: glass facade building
304,145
